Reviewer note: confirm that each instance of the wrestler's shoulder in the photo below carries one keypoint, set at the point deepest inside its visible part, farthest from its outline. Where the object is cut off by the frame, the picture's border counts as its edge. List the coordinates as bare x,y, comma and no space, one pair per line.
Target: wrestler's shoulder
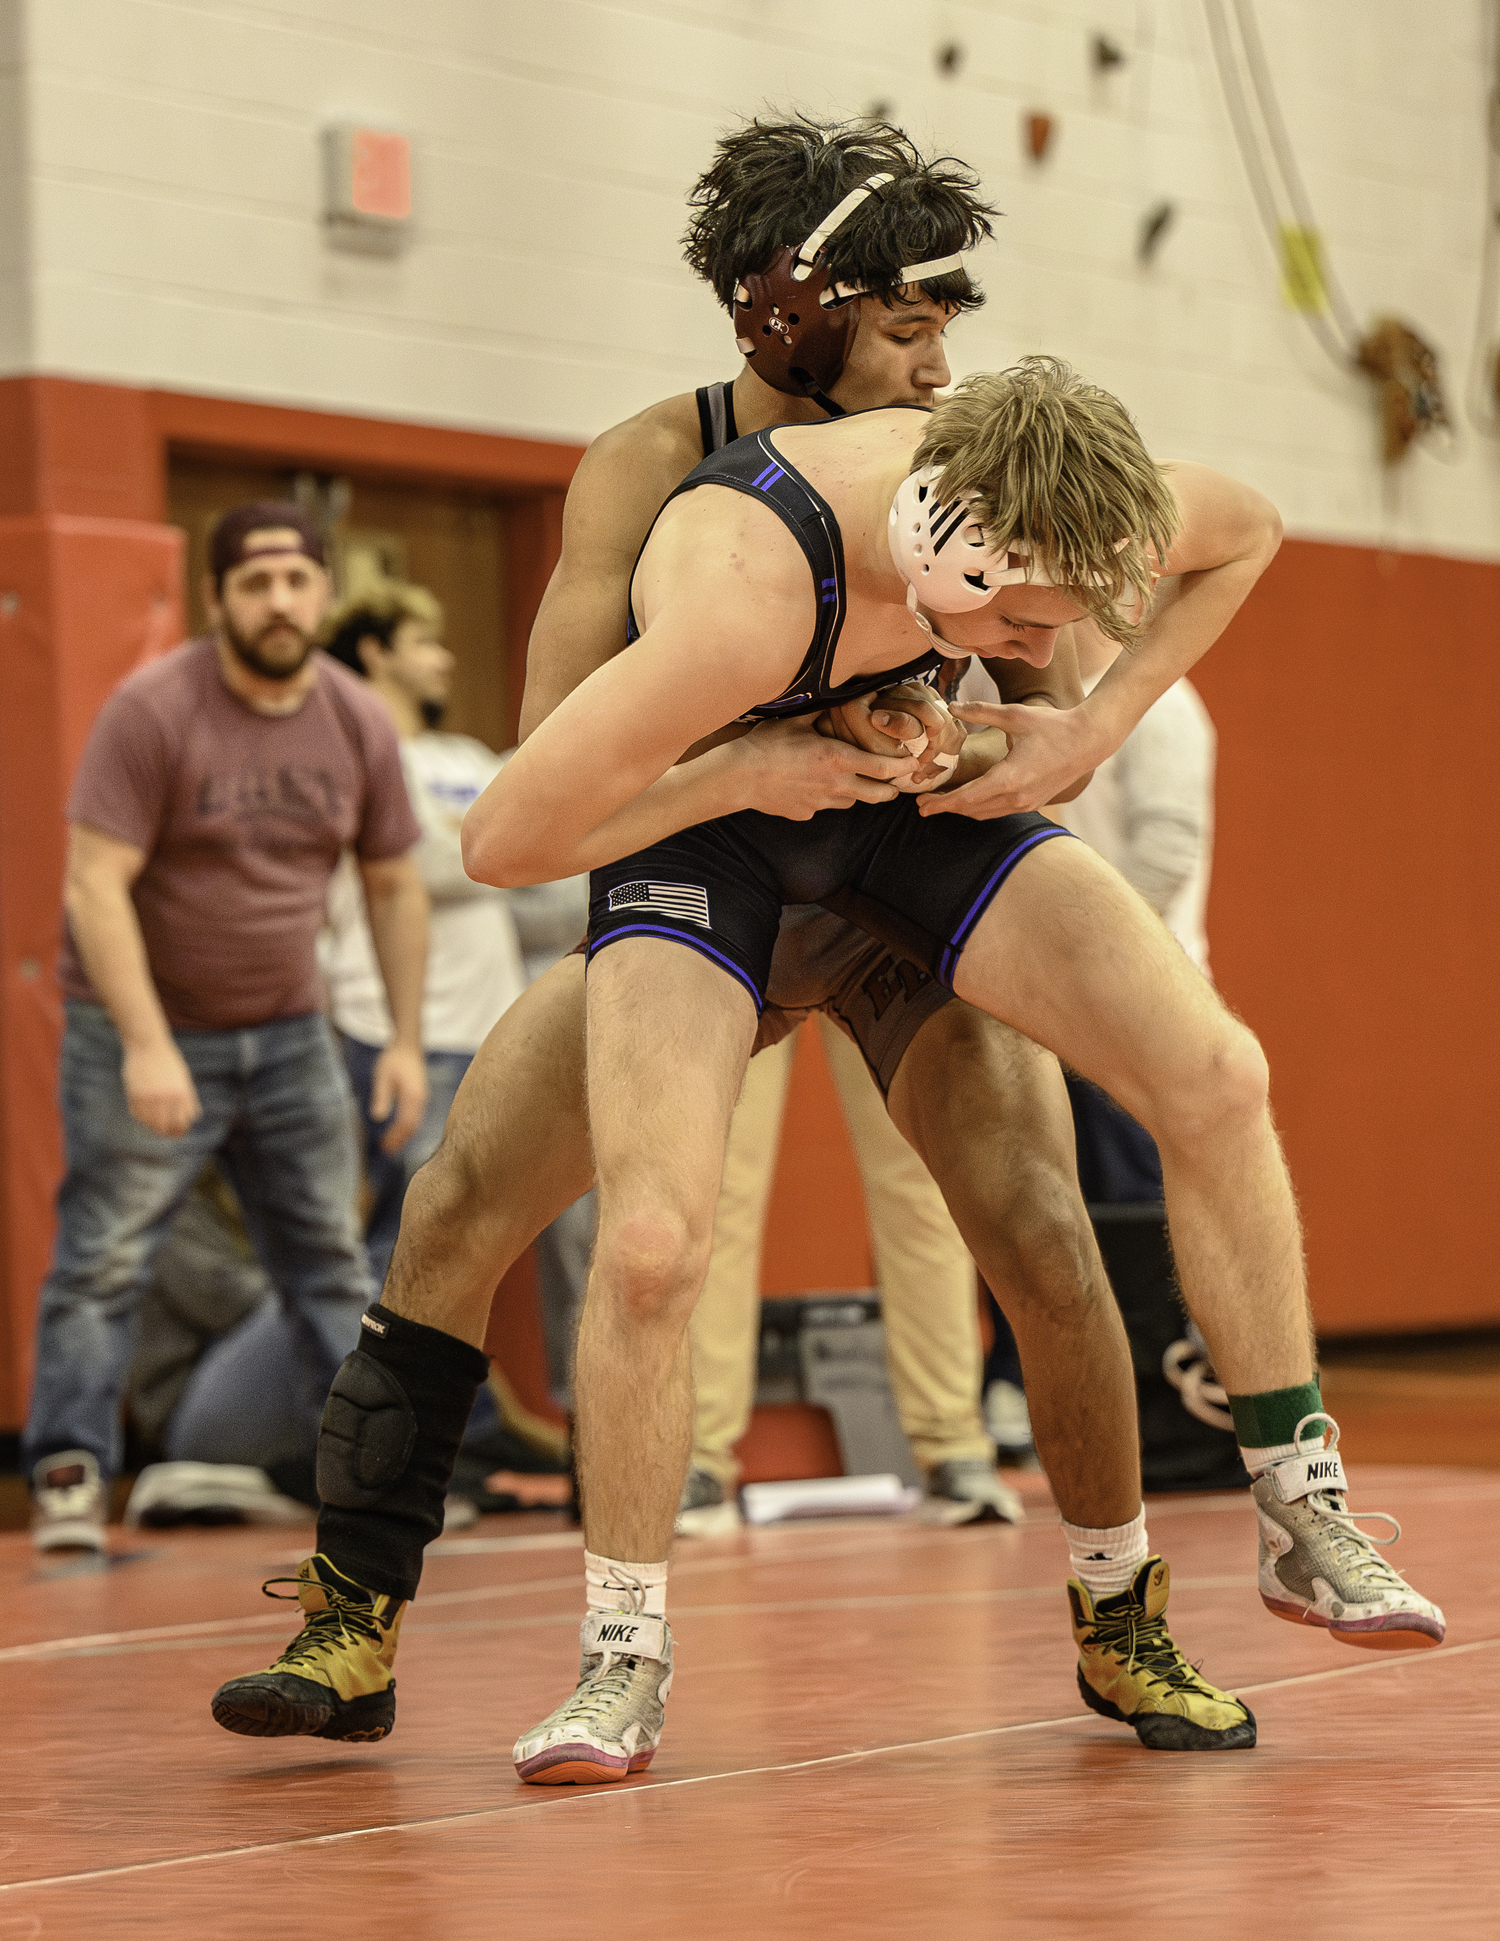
655,450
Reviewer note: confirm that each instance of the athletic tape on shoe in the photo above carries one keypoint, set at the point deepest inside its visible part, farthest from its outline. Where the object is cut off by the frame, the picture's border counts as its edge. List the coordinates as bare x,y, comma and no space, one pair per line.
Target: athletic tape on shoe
367,1434
1299,1476
626,1636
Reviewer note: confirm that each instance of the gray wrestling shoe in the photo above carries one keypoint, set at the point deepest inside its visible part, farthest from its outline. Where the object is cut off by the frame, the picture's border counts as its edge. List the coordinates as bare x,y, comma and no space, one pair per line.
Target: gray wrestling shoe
704,1509
967,1490
611,1726
1318,1567
69,1505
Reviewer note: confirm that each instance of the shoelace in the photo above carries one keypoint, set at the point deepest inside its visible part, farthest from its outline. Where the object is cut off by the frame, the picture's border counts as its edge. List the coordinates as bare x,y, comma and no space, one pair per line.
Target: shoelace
1351,1543
321,1630
1145,1642
602,1689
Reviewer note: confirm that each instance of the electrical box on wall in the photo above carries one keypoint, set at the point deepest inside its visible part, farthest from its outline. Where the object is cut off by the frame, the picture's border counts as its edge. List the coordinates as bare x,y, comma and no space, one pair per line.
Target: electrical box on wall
367,187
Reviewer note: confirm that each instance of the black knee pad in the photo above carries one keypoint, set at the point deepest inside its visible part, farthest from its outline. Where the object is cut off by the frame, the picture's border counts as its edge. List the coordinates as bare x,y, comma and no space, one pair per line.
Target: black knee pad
386,1448
367,1434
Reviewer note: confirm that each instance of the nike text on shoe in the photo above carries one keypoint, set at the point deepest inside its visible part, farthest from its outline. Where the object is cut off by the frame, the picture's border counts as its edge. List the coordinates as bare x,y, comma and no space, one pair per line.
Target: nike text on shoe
335,1680
1130,1669
1318,1567
68,1508
611,1726
968,1490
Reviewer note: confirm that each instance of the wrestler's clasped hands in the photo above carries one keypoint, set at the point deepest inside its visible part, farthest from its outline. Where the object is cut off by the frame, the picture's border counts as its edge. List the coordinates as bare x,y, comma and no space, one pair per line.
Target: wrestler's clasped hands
796,771
907,717
1049,749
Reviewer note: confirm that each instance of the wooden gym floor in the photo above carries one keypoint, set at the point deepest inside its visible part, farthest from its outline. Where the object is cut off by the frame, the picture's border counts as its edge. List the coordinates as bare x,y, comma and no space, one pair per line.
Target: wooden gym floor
875,1732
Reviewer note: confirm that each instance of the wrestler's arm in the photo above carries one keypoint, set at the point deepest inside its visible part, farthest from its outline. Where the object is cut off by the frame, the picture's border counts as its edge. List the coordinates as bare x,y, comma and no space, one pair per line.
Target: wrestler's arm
596,780
779,768
1229,534
1057,685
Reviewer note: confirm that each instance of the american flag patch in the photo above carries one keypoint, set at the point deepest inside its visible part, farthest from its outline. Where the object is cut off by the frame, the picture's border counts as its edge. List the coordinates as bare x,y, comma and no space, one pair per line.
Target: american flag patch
684,901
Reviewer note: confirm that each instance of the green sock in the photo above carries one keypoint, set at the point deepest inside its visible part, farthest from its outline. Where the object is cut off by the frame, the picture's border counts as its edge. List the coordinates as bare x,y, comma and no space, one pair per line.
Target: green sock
1265,1420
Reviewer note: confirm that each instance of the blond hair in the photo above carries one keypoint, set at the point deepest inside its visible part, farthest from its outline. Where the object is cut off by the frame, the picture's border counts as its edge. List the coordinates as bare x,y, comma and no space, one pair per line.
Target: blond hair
374,613
1057,463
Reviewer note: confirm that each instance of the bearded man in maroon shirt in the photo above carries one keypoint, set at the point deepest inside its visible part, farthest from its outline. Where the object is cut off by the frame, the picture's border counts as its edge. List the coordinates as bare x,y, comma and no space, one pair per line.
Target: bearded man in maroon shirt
216,792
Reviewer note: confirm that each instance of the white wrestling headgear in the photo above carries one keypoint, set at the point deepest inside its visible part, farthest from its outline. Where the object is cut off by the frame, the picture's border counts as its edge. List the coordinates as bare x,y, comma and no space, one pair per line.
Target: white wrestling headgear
947,562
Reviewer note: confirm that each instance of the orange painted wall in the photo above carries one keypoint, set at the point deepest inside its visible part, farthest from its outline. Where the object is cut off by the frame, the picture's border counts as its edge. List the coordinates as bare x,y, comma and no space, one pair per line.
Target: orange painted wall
1355,914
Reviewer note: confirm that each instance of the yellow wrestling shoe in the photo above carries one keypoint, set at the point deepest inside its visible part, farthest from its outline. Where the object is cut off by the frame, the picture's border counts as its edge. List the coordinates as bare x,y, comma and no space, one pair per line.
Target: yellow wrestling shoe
335,1680
1129,1669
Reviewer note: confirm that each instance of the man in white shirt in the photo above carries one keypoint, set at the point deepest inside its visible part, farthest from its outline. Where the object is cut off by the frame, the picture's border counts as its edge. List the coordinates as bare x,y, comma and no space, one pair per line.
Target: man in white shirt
393,636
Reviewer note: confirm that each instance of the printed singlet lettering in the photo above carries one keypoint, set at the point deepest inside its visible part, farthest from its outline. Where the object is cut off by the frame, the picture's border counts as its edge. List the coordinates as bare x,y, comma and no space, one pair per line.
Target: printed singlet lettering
894,977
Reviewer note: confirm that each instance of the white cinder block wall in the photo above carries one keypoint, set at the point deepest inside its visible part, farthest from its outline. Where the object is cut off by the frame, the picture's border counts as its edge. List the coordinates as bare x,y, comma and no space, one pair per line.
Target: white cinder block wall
160,208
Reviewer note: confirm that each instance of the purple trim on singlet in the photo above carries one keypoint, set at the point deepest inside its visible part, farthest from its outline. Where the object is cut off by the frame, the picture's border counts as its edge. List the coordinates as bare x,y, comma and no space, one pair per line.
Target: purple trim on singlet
948,962
693,943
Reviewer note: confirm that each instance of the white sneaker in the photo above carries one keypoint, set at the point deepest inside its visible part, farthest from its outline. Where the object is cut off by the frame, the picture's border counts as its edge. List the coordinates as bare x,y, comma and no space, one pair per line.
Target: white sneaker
1007,1419
1318,1567
704,1510
169,1493
611,1726
68,1507
968,1490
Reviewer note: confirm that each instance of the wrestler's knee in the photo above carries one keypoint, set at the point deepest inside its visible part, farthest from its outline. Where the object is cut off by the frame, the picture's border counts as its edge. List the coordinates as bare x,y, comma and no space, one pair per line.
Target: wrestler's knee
444,1189
1223,1092
650,1264
1041,1245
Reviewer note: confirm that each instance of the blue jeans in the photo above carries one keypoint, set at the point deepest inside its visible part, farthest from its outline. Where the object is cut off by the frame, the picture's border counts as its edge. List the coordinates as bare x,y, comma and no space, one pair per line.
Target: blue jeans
390,1173
277,1115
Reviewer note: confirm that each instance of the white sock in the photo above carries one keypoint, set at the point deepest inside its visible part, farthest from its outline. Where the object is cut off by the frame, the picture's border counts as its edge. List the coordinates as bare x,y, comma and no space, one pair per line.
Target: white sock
639,1589
1105,1561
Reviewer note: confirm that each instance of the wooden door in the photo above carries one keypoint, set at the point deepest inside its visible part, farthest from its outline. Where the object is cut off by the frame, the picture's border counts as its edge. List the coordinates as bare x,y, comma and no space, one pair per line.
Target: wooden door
442,537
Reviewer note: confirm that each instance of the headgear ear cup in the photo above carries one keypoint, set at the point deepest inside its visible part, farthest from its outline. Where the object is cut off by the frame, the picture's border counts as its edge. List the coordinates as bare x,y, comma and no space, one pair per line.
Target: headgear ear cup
793,322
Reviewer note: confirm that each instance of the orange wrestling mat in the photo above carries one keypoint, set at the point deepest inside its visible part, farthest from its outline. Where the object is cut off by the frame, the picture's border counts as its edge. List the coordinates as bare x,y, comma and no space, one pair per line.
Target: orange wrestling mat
874,1732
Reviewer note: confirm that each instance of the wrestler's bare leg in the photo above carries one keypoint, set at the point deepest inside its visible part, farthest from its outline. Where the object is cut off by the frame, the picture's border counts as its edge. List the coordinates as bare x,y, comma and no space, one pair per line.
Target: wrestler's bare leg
988,1112
1072,957
515,1153
669,1036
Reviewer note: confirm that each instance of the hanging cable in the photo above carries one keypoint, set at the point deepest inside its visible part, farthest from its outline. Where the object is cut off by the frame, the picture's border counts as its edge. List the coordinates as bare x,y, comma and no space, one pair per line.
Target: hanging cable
1286,160
1483,391
1281,209
1401,365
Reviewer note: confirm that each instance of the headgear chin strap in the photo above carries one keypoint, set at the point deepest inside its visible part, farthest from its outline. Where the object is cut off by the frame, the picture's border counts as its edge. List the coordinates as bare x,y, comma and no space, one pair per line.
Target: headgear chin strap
794,321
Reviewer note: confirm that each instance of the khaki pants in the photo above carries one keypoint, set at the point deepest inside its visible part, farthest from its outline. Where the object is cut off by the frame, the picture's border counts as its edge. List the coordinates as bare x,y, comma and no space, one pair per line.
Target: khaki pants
927,1284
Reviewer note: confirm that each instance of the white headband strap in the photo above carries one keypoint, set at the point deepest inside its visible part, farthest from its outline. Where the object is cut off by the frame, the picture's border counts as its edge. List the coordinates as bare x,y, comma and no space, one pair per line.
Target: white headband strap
938,266
802,259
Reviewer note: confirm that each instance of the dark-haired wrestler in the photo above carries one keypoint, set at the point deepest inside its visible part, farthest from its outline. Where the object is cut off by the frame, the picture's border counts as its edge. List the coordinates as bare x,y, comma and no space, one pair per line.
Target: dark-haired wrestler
984,1107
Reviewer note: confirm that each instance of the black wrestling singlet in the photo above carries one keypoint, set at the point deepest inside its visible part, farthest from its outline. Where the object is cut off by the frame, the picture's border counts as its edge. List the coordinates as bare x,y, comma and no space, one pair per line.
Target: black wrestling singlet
753,466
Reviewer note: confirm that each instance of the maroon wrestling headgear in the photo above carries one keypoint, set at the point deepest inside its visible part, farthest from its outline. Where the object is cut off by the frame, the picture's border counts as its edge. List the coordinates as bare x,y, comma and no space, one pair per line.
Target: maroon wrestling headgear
793,321
226,544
